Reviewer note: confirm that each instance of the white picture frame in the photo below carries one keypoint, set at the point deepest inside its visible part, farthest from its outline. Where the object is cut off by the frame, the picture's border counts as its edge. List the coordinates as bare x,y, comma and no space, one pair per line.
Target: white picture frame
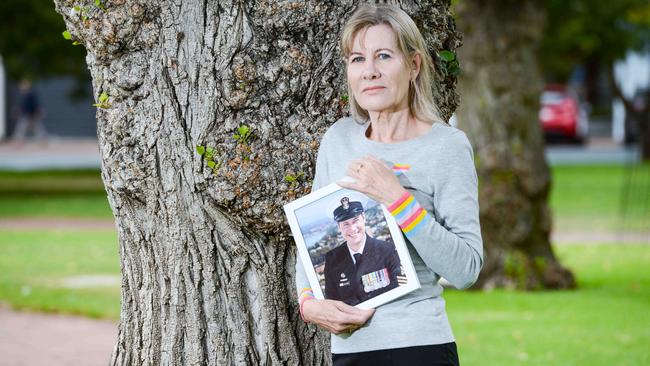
311,219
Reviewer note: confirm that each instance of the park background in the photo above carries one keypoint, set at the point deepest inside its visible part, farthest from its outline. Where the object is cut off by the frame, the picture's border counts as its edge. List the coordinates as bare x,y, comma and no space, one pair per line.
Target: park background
59,252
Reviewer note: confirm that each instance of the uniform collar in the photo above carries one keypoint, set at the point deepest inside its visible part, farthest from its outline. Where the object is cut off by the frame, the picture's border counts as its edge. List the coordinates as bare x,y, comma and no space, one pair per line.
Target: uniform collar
360,251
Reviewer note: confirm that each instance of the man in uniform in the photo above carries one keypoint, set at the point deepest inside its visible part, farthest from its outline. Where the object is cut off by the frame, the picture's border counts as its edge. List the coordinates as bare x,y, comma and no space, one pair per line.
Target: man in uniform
363,267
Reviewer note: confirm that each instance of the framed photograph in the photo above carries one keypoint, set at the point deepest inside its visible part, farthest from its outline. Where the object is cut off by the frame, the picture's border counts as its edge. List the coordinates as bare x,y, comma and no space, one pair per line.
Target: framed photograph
351,247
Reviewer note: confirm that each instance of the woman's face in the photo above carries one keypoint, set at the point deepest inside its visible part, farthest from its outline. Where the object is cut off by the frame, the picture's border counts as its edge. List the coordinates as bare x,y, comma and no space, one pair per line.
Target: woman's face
378,73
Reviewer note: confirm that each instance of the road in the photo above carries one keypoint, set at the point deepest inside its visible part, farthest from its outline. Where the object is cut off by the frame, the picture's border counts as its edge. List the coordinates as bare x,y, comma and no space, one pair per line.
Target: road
599,150
68,153
51,154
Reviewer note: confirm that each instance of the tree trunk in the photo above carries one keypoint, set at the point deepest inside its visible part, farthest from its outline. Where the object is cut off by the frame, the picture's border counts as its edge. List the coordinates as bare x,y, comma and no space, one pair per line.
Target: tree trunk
207,261
500,87
639,114
642,119
644,132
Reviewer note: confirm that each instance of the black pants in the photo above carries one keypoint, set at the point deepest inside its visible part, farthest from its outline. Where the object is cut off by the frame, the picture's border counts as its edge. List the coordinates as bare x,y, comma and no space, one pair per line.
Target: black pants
434,355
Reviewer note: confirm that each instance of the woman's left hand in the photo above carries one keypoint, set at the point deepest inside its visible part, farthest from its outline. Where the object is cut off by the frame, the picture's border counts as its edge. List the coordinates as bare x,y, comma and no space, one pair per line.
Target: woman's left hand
374,179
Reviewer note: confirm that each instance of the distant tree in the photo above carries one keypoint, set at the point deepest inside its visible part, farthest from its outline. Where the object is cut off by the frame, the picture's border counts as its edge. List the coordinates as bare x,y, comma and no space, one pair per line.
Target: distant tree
499,86
597,32
31,41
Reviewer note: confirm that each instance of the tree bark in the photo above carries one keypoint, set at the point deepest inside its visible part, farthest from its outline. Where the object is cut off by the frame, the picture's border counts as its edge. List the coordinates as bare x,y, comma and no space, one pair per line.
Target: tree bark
638,114
207,261
500,87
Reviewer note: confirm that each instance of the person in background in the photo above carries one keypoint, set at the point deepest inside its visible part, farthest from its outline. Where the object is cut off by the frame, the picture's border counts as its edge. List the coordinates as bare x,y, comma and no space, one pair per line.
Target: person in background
30,113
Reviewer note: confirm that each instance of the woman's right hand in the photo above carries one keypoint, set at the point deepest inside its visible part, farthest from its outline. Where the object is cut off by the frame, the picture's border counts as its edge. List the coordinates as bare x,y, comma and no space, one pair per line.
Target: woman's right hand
335,316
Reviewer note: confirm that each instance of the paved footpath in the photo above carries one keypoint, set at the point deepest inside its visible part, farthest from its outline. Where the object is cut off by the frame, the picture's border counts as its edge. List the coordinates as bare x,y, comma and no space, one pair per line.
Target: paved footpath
54,153
56,223
34,339
83,153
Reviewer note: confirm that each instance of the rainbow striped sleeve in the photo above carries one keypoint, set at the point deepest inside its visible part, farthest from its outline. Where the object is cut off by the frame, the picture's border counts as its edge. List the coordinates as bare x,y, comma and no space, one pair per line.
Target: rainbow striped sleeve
400,168
409,214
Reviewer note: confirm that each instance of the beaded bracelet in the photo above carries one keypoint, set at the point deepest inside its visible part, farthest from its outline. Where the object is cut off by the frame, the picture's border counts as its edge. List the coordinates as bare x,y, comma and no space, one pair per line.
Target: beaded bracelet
305,294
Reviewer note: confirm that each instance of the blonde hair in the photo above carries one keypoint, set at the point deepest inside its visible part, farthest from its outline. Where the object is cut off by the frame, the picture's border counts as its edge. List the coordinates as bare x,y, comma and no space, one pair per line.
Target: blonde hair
410,43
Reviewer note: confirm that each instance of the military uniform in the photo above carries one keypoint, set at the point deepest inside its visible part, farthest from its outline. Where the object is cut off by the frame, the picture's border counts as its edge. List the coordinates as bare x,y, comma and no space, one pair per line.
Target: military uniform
374,273
375,270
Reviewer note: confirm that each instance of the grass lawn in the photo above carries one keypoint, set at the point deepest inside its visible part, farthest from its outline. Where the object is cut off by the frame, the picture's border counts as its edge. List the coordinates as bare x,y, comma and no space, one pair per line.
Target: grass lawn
53,194
601,197
605,322
38,270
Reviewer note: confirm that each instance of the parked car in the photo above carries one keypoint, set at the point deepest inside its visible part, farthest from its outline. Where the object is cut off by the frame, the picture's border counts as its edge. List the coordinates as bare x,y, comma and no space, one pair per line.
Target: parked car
562,116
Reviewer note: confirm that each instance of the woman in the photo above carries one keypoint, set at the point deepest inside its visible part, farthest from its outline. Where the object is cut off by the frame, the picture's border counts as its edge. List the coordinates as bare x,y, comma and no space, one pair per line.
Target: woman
394,127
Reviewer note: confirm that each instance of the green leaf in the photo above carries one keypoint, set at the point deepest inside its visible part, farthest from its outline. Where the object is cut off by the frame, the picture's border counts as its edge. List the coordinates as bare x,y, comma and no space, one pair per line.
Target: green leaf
210,150
345,98
447,56
200,149
66,35
101,101
289,178
243,130
211,164
77,8
455,71
75,43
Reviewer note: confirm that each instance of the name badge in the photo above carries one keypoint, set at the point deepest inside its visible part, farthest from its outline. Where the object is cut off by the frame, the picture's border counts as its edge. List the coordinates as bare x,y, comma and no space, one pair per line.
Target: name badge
344,281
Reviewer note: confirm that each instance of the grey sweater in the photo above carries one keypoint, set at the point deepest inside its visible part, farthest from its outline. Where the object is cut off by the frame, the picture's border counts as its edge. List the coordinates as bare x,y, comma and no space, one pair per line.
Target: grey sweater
446,242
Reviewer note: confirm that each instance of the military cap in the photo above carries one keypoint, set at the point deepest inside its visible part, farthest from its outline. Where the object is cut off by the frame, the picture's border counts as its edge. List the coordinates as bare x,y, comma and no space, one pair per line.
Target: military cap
347,210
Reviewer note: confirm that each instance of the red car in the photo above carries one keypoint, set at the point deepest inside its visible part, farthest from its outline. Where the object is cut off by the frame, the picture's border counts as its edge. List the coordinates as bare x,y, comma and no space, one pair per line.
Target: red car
561,115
